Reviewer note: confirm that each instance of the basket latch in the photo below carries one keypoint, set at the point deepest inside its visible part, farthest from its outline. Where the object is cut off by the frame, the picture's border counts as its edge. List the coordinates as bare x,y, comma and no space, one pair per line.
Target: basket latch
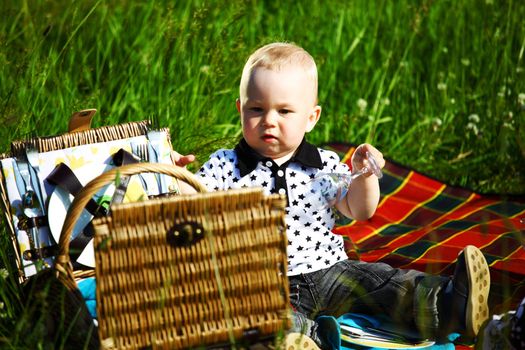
185,234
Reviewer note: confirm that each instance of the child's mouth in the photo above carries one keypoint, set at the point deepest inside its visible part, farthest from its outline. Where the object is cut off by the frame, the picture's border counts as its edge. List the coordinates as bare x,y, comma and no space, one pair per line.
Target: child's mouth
269,138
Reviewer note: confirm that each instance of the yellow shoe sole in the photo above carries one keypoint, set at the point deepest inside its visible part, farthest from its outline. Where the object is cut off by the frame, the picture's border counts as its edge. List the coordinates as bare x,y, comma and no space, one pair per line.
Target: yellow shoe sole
296,341
479,285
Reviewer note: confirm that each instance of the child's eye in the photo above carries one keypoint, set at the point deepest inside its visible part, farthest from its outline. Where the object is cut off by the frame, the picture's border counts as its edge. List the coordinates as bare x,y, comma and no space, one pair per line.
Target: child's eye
284,111
255,109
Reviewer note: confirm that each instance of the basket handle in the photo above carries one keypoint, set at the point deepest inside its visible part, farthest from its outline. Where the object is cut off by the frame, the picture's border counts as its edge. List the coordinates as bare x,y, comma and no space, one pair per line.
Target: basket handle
81,120
62,261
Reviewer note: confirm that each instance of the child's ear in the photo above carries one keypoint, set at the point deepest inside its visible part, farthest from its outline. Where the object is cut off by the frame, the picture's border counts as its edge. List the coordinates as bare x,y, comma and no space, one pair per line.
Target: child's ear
313,118
238,104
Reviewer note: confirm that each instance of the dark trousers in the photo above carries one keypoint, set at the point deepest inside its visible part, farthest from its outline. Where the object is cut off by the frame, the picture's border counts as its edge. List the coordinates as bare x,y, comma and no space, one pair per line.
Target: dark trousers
409,297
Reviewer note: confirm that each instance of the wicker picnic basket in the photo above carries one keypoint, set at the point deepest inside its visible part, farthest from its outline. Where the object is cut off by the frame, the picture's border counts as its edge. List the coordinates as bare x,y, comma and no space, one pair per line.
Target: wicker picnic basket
28,254
185,271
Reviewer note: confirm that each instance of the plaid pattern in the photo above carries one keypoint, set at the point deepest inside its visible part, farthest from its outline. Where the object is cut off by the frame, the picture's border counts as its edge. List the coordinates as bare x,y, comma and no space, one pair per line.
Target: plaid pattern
423,224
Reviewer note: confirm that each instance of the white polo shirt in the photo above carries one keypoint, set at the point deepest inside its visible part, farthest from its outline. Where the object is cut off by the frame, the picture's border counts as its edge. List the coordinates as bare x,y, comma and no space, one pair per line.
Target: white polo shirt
311,244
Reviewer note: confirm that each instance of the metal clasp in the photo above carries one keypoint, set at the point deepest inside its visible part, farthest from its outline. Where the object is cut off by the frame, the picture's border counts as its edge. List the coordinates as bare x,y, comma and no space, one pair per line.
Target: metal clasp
185,234
26,223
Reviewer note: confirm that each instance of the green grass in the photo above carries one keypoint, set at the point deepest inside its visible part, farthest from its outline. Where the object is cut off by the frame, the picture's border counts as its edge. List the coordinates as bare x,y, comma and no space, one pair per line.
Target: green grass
433,63
424,69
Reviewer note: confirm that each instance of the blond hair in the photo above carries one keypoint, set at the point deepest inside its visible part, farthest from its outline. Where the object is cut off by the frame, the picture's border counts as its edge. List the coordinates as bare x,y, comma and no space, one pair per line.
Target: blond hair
276,56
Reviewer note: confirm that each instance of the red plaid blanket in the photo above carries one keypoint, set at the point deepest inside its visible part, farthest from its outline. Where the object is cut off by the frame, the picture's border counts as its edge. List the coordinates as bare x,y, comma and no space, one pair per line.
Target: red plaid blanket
422,223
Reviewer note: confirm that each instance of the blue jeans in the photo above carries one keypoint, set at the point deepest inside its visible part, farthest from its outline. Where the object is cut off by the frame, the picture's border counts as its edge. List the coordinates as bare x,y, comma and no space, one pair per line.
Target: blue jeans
408,297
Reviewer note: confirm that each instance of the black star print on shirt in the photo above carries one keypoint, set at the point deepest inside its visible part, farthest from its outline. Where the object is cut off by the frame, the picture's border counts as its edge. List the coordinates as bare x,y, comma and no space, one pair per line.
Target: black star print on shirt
307,231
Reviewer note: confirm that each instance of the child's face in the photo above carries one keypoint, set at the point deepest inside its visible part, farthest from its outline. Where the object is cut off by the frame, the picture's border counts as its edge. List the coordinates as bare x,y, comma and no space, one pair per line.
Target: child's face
277,108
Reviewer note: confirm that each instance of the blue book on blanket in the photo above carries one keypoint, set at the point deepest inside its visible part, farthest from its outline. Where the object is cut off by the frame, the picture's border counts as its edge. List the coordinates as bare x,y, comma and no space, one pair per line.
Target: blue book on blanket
358,331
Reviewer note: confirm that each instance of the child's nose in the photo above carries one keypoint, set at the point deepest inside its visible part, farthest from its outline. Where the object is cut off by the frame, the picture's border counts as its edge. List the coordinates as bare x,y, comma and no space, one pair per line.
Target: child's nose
270,118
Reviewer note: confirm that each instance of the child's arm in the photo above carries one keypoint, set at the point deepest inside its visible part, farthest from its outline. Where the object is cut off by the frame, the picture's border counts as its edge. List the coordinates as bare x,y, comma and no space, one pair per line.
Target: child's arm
363,195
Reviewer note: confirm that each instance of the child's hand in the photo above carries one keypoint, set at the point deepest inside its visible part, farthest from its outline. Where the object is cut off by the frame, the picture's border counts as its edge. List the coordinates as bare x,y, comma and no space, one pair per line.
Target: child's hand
180,160
360,161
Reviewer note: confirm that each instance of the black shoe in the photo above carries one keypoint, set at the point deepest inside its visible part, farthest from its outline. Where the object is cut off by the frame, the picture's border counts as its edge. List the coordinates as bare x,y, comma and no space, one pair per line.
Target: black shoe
471,285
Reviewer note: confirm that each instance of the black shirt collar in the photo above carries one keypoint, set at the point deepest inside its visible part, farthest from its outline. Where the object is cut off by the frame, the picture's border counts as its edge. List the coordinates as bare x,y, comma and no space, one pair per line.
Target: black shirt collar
247,158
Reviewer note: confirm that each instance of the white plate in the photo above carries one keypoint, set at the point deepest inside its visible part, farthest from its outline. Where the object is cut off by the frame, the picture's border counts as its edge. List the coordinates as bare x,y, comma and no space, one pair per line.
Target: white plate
60,200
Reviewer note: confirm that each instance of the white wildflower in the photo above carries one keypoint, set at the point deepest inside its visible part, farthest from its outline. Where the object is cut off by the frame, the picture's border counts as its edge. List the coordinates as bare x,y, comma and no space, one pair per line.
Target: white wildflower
361,104
504,91
473,127
442,86
436,123
474,118
452,101
205,69
445,49
519,69
385,101
465,62
4,273
521,99
508,125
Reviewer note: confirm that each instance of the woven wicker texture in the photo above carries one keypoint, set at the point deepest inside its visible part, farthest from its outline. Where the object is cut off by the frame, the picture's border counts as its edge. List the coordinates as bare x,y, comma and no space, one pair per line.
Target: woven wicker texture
186,271
102,134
